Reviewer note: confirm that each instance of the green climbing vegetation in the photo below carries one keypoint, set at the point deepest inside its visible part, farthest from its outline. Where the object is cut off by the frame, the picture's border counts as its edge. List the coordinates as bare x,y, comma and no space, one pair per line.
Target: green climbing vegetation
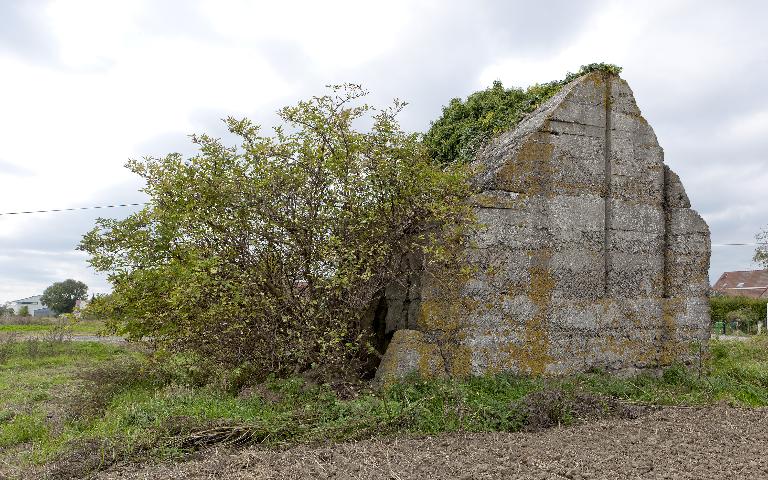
466,125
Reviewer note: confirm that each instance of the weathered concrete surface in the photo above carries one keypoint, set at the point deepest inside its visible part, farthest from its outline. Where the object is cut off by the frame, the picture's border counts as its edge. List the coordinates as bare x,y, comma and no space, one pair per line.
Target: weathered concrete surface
589,255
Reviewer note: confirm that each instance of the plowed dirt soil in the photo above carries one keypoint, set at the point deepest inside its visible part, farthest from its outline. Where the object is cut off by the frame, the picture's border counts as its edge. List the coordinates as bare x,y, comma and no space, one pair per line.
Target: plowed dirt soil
674,443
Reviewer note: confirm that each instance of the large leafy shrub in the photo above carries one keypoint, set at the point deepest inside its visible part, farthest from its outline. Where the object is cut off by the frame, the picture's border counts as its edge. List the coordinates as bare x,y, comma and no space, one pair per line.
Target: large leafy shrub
266,255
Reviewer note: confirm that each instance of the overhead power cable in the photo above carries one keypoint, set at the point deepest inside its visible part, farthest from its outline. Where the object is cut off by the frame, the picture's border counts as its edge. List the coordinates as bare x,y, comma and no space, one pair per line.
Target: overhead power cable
73,209
54,210
735,244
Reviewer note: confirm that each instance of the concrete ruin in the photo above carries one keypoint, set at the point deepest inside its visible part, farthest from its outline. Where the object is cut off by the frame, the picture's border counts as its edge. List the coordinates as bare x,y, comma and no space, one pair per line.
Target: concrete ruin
588,256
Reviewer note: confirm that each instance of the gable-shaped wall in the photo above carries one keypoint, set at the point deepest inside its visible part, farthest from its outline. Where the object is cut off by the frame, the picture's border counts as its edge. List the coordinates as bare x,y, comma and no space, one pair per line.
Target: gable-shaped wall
588,256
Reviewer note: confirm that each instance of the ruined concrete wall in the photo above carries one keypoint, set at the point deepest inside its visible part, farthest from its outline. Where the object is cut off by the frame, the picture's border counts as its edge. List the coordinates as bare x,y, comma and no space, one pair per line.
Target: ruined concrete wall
589,255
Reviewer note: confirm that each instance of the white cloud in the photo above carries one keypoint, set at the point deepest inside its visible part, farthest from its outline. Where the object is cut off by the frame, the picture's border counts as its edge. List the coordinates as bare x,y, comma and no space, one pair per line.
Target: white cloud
75,129
750,126
333,34
88,33
90,83
610,35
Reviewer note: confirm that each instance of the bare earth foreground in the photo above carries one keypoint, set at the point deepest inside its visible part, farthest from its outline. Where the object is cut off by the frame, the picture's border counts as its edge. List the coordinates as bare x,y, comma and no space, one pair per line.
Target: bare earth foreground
712,442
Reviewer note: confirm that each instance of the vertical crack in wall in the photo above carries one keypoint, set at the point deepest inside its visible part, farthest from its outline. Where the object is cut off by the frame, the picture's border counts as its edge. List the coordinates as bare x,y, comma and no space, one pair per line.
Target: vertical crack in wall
665,241
607,187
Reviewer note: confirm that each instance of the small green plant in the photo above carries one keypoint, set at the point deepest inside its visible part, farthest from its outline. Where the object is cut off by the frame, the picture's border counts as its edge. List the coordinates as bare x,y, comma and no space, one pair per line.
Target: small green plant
608,68
24,311
62,328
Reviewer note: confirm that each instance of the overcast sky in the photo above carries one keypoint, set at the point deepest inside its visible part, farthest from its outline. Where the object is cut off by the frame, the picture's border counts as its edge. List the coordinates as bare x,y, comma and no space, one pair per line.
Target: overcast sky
87,84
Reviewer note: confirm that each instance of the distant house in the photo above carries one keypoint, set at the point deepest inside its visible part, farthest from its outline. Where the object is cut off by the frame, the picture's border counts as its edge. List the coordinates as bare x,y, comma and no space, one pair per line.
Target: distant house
750,283
32,303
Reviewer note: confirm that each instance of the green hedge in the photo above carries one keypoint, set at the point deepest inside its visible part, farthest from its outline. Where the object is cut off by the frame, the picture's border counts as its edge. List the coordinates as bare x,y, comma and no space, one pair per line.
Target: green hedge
720,306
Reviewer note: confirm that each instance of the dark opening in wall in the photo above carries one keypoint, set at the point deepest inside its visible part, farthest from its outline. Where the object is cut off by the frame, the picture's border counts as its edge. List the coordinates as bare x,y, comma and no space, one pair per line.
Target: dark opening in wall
379,326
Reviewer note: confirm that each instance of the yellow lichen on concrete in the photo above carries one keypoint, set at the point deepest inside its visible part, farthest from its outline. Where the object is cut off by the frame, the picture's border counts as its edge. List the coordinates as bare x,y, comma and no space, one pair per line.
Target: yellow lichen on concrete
598,79
519,175
533,355
444,320
669,350
409,352
460,360
633,350
489,200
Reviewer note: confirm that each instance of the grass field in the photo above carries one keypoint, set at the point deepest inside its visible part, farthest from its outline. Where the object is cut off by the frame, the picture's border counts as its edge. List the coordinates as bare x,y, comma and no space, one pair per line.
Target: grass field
41,326
37,380
87,404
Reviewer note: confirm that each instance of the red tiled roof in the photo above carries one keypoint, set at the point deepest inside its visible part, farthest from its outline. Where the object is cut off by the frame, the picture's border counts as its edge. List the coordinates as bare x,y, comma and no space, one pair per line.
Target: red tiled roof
751,283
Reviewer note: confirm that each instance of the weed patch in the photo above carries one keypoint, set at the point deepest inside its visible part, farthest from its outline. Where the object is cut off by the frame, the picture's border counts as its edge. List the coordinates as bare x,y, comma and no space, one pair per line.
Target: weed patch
553,407
134,406
22,429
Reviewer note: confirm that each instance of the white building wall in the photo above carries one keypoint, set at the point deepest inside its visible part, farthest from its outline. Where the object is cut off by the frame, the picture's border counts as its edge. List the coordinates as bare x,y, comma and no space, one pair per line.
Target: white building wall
32,303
